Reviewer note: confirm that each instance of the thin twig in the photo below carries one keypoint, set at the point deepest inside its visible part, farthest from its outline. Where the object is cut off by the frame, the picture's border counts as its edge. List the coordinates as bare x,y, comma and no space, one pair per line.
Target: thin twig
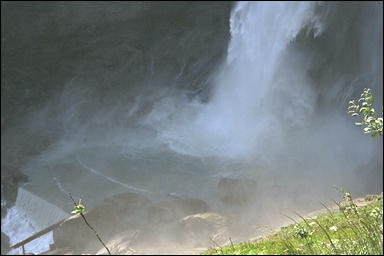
86,222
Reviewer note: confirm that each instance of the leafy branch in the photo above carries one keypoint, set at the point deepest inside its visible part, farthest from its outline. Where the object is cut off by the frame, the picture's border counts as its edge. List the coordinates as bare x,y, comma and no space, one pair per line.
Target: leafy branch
373,124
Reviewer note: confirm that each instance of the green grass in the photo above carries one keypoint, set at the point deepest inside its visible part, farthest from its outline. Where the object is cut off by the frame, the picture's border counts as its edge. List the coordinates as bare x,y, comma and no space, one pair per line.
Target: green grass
352,230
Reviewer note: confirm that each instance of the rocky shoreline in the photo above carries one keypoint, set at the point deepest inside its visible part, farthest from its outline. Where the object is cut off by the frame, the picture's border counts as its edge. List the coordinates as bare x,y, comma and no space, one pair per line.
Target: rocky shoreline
131,223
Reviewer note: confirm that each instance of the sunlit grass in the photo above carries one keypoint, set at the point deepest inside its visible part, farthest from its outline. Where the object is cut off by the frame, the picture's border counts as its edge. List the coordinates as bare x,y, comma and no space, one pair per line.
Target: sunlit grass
352,230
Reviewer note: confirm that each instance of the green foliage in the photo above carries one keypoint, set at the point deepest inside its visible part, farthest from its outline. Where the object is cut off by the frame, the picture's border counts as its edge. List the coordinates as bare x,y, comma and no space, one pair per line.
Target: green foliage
300,231
78,208
373,125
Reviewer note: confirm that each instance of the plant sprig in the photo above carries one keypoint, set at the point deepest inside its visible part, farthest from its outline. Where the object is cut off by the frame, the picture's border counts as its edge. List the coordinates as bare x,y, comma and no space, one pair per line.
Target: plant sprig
79,209
373,125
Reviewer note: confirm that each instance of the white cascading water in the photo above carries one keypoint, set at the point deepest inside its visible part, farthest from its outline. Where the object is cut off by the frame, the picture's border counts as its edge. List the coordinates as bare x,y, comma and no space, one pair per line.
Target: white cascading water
239,113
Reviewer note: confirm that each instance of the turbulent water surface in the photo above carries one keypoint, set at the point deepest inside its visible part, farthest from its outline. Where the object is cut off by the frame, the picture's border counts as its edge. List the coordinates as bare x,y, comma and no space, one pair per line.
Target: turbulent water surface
167,98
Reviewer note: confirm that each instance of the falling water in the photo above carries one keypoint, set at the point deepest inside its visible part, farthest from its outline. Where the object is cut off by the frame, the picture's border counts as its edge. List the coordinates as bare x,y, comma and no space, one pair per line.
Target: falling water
240,111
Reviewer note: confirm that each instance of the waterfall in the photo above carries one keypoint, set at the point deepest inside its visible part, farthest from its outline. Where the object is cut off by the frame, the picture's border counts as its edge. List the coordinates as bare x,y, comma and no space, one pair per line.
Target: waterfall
281,76
249,86
260,32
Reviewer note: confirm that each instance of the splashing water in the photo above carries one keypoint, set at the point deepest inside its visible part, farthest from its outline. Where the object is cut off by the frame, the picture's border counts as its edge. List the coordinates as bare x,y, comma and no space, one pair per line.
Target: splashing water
239,115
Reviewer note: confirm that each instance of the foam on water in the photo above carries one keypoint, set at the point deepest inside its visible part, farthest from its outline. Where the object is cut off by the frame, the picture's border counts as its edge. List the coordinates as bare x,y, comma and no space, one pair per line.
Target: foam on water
111,179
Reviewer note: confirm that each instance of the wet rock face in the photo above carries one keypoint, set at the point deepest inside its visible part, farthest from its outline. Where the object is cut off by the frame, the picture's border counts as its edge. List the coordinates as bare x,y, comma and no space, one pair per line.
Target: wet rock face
236,191
110,50
4,243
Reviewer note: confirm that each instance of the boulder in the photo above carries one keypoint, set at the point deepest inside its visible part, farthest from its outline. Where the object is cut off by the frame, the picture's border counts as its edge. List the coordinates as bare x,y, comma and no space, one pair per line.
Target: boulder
120,215
115,214
119,209
176,208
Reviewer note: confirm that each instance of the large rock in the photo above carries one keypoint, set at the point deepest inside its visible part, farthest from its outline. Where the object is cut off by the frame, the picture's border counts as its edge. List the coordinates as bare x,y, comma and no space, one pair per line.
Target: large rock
173,209
119,209
121,216
163,221
236,191
115,214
